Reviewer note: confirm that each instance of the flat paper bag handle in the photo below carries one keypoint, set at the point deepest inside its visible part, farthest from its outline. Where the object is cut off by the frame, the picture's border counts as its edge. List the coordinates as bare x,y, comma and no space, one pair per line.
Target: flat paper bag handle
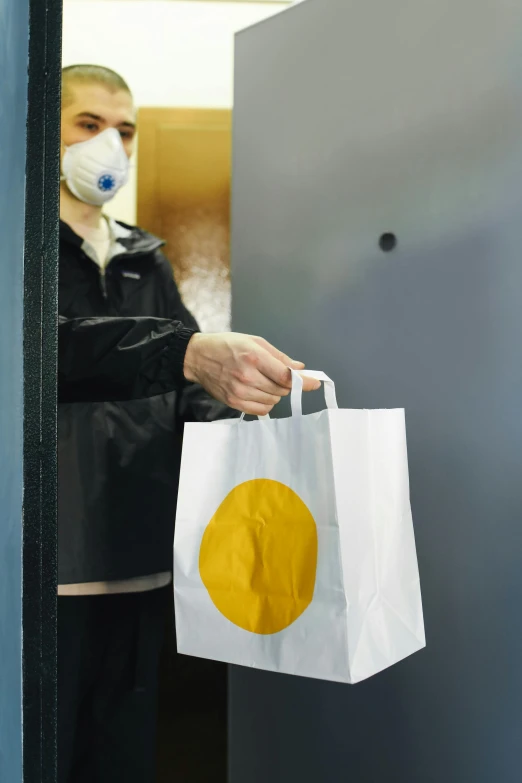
296,399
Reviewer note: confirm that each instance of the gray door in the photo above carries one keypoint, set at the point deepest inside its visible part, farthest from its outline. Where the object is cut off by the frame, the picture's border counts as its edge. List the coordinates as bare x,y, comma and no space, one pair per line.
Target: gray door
13,107
29,138
377,214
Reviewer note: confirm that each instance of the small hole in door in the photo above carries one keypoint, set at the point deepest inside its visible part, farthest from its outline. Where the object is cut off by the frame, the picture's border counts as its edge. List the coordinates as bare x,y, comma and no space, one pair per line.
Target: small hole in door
388,242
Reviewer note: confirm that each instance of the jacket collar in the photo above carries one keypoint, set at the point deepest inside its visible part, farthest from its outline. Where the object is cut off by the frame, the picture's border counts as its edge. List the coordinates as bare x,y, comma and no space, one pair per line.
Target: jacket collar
132,240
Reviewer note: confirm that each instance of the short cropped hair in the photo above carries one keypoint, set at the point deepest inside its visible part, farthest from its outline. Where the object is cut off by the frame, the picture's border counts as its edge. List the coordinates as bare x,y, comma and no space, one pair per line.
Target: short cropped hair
90,74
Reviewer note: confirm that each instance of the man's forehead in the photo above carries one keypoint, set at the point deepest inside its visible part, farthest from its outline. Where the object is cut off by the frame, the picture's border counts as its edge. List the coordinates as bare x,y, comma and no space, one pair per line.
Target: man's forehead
98,100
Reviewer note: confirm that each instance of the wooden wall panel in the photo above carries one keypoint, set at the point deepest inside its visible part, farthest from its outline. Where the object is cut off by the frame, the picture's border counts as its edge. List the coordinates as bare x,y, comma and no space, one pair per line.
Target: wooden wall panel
184,169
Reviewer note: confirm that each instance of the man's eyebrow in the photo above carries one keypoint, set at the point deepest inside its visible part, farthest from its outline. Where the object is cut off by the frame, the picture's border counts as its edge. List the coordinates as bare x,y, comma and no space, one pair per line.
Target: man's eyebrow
89,115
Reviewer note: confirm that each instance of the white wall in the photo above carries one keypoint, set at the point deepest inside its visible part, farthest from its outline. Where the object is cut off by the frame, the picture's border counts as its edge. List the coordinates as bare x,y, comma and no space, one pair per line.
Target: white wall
171,53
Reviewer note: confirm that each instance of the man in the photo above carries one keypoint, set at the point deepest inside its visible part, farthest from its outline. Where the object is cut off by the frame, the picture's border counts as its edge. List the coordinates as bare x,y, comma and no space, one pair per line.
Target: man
131,359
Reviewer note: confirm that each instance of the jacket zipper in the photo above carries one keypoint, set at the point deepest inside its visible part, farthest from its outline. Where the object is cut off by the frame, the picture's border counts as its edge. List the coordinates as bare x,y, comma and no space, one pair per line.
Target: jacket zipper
103,283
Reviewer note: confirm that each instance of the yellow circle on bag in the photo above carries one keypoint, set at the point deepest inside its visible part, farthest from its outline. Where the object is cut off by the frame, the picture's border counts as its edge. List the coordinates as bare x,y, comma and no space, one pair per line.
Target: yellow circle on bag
258,557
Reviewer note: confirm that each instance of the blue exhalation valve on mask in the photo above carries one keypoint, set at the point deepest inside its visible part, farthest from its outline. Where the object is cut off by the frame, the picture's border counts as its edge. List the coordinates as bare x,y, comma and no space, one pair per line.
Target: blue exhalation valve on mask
95,170
106,183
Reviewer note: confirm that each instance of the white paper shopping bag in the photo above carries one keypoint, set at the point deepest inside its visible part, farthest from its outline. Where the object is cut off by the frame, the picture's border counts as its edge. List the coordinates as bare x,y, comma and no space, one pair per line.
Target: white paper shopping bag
294,549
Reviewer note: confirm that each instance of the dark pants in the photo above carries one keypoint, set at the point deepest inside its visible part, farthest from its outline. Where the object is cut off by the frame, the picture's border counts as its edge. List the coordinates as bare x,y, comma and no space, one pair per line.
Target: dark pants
108,660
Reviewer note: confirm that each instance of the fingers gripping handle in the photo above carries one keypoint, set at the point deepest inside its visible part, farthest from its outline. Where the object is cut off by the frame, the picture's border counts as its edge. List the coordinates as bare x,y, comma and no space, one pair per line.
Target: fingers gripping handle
297,392
296,396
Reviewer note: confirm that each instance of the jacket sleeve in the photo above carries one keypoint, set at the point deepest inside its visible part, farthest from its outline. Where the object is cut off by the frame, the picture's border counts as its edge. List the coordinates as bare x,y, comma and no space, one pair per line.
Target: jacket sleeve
103,359
194,403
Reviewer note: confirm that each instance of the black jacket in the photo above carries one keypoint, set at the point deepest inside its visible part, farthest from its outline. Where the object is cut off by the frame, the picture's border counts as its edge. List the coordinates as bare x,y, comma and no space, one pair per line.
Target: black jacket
119,457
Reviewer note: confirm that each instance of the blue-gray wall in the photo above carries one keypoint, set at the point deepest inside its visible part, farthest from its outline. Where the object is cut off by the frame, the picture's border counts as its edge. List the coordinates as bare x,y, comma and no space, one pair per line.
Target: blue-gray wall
353,118
13,107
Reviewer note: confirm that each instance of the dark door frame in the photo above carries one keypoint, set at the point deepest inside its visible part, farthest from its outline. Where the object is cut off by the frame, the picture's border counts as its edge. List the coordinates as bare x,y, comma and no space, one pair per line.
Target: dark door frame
40,351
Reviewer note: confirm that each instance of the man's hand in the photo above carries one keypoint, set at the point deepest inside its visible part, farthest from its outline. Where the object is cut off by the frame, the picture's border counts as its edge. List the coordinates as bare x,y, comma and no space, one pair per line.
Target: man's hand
246,373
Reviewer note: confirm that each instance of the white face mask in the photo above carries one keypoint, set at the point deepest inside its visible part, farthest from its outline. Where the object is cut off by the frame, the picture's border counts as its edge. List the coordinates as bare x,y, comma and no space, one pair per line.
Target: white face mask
96,169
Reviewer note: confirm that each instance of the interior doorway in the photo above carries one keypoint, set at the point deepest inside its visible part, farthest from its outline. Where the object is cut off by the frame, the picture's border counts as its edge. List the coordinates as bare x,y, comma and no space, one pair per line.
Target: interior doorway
35,26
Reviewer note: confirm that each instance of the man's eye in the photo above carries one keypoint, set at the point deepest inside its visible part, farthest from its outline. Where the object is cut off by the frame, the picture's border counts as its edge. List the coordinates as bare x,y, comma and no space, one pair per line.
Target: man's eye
126,134
90,126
